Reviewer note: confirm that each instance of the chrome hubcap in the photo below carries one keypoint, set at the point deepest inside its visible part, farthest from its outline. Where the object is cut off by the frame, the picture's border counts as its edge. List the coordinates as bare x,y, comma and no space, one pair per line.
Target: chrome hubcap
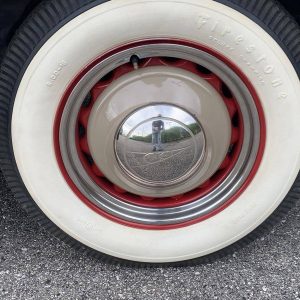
160,145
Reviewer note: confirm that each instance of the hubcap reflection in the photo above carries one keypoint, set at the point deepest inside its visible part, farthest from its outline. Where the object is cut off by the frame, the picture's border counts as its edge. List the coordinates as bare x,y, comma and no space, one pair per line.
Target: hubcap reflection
160,145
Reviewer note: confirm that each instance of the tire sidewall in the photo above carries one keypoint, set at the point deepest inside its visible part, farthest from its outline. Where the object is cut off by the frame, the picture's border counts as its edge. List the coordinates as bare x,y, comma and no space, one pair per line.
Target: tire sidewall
212,24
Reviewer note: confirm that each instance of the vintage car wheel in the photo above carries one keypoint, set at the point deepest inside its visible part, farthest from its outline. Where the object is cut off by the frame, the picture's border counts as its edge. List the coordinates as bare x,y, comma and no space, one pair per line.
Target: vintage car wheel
83,86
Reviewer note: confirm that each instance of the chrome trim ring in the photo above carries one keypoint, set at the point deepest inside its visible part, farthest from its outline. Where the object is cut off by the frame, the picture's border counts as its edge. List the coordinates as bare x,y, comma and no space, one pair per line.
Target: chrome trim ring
172,215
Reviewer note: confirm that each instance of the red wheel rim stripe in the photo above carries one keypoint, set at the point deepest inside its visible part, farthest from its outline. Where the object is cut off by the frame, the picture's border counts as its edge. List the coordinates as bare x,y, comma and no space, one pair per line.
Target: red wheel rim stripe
160,41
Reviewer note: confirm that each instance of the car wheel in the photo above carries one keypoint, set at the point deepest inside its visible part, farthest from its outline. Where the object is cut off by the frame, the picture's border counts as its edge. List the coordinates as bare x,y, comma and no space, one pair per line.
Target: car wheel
161,132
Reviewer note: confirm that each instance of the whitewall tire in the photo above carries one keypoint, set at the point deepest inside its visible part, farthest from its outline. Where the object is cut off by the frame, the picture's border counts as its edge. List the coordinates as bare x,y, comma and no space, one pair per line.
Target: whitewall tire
34,80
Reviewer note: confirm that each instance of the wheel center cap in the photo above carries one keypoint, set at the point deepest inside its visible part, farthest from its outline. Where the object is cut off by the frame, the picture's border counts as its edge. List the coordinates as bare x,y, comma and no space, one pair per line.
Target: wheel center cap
145,136
160,145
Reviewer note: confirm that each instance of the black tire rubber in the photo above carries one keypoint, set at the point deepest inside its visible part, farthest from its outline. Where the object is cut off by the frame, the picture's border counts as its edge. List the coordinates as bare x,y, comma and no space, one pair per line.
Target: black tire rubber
43,22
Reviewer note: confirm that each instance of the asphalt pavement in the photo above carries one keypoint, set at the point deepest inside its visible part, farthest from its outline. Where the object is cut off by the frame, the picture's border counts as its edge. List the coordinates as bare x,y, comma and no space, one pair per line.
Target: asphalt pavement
34,265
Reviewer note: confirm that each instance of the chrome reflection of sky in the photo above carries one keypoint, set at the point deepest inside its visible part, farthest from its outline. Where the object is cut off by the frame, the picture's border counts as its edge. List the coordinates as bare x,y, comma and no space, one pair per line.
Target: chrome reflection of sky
146,128
151,113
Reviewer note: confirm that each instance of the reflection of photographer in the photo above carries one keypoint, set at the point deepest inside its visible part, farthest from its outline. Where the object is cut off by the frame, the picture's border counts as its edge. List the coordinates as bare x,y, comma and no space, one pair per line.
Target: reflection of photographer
157,127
